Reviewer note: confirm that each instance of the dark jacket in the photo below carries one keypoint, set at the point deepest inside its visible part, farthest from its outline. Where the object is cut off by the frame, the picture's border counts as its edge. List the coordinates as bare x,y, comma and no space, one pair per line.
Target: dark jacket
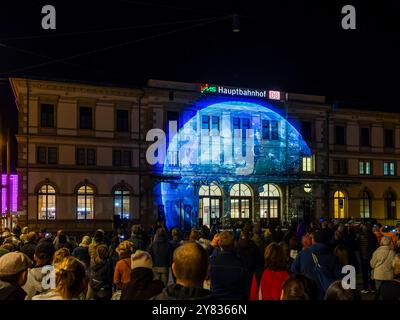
367,244
11,291
29,249
229,276
138,242
248,251
178,292
142,285
161,252
100,280
389,290
82,253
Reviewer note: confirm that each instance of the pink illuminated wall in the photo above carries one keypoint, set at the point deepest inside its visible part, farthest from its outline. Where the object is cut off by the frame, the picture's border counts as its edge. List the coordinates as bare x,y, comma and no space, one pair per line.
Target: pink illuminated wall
13,191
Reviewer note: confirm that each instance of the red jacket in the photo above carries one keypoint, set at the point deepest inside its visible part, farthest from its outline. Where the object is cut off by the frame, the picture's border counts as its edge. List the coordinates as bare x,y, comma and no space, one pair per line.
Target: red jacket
271,285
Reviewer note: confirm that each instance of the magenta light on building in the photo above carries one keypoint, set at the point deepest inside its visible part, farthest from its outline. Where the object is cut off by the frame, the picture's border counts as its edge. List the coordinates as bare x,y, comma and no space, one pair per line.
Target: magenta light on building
13,193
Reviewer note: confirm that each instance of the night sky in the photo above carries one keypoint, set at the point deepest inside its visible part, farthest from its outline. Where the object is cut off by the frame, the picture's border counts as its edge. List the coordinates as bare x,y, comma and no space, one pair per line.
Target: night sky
295,46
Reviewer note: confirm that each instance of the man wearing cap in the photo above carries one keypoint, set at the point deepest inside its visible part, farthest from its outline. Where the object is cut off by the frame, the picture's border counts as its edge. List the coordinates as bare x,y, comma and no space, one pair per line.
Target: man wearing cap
13,274
142,286
43,256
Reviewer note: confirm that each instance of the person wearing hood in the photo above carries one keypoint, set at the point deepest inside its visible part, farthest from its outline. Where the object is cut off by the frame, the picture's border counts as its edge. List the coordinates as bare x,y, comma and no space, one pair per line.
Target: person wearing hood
142,285
82,251
190,266
161,253
13,275
304,263
30,244
43,256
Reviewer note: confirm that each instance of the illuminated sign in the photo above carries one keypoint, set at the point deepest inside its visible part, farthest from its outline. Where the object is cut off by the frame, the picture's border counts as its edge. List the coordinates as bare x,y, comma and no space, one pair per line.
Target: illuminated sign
214,89
13,193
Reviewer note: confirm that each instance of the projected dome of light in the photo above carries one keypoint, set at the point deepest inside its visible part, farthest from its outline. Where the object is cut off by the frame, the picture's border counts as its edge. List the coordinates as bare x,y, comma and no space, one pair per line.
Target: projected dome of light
226,142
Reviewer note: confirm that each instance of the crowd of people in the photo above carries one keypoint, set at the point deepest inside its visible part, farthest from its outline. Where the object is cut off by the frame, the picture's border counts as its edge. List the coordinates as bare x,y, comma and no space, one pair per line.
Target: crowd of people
303,262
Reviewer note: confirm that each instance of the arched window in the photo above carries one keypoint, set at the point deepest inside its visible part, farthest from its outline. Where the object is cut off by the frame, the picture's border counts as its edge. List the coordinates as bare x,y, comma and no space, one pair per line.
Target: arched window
365,205
339,204
270,202
122,202
210,199
241,201
85,203
46,203
390,205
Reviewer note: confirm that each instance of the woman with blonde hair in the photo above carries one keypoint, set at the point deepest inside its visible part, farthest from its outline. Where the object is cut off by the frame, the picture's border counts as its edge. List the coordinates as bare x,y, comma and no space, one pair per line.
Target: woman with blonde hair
122,272
70,281
60,255
381,262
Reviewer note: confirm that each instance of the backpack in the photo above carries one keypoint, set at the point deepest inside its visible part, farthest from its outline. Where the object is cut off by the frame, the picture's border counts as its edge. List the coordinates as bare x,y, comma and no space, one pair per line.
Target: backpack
324,276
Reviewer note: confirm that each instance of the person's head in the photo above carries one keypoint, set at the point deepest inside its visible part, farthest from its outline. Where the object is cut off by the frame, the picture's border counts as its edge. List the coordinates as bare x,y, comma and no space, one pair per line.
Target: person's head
141,259
194,235
386,241
59,232
337,292
98,236
14,268
86,240
161,233
324,224
17,231
396,266
342,254
274,257
298,287
124,249
25,230
135,229
60,255
245,235
316,236
101,253
190,264
31,237
226,240
44,253
175,233
70,278
306,241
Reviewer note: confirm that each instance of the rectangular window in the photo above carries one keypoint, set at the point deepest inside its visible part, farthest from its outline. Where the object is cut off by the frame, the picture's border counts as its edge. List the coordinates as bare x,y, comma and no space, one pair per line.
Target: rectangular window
389,168
80,157
364,137
389,138
265,130
364,167
91,157
122,120
117,158
126,158
274,130
307,164
306,131
205,122
85,118
52,155
340,166
47,115
215,123
340,135
41,155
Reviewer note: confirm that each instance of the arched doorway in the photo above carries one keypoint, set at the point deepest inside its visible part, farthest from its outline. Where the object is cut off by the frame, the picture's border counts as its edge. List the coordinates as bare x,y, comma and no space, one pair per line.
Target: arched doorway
210,204
241,201
339,204
270,203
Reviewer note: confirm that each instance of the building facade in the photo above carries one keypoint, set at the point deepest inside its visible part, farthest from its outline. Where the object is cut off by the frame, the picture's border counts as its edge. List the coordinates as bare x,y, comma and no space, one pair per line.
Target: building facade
83,156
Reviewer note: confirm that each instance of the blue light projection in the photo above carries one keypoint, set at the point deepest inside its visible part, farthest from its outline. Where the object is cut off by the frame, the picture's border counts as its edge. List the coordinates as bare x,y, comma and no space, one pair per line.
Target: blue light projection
225,141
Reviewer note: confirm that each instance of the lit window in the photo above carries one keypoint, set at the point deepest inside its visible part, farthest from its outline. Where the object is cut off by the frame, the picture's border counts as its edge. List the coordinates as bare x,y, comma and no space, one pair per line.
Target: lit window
307,164
307,188
270,202
85,203
339,204
46,203
365,205
122,202
364,167
389,168
241,201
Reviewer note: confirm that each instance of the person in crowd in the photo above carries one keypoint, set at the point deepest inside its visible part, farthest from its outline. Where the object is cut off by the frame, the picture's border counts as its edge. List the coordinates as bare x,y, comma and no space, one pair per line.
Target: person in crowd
60,255
377,230
381,262
142,285
98,239
13,275
390,289
71,282
342,255
24,234
299,287
337,292
305,264
161,253
326,233
230,280
82,251
57,238
306,241
248,251
29,246
190,266
258,238
100,275
137,237
269,285
43,257
204,236
213,247
175,241
366,244
122,271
